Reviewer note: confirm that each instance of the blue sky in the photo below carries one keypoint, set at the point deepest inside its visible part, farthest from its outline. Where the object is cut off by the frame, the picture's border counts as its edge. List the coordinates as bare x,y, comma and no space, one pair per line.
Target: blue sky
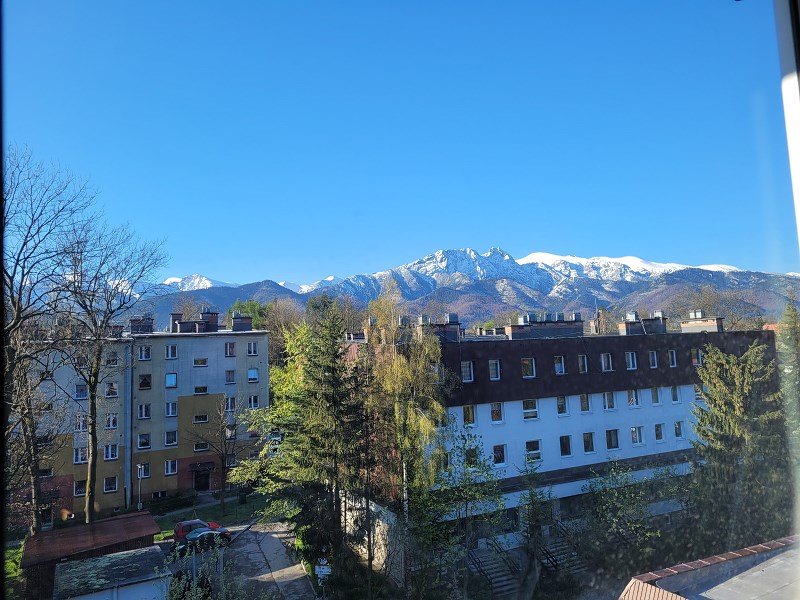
292,140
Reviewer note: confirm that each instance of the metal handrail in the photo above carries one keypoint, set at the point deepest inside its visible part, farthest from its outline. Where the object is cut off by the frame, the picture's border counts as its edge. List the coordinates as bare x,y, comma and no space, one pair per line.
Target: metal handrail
507,560
476,562
548,556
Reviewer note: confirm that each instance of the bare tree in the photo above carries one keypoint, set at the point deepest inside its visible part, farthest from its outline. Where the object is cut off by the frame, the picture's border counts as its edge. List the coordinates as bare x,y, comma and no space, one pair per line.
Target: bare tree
739,313
188,307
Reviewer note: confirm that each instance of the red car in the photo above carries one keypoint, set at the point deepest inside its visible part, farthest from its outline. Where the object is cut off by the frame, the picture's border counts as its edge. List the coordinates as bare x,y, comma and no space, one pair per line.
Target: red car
183,528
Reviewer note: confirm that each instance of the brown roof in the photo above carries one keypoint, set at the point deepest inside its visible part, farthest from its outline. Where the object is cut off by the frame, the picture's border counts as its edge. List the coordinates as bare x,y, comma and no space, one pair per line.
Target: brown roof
56,544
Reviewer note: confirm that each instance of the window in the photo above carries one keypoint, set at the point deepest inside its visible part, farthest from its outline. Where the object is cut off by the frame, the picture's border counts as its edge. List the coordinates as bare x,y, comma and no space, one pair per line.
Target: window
252,402
528,368
170,467
79,488
530,409
80,423
144,411
654,397
653,356
561,405
499,455
171,409
586,405
230,404
143,470
497,412
230,432
111,390
230,376
230,349
675,396
201,418
170,380
633,398
80,455
201,447
159,494
110,484
637,435
697,357
494,370
466,371
252,348
471,457
112,360
171,351
111,421
110,452
252,375
698,393
588,442
533,450
673,358
565,443
43,473
606,364
81,391
469,414
583,363
200,362
170,438
144,352
144,441
230,460
560,365
612,439
608,401
82,362
145,381
679,429
201,389
659,431
630,361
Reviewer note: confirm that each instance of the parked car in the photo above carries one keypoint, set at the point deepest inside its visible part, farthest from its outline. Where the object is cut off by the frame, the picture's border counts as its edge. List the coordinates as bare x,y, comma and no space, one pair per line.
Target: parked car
205,538
183,528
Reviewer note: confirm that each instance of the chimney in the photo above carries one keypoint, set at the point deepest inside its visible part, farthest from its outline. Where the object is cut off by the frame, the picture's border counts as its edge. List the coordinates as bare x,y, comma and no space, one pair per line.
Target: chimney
173,321
631,317
211,319
242,323
452,318
576,316
141,324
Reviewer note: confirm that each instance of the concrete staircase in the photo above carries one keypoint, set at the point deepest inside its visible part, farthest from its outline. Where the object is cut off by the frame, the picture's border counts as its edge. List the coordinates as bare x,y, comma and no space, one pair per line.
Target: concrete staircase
505,582
568,560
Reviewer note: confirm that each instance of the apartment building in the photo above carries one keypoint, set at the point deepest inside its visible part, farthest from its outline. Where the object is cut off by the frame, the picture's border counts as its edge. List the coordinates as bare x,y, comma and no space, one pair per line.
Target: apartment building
172,408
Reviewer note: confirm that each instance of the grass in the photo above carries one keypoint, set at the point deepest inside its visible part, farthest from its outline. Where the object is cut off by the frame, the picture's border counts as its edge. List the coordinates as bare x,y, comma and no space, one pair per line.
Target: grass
235,514
12,557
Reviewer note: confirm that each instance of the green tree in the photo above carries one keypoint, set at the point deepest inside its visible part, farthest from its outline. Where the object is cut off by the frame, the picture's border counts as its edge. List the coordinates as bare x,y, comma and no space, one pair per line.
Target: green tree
788,345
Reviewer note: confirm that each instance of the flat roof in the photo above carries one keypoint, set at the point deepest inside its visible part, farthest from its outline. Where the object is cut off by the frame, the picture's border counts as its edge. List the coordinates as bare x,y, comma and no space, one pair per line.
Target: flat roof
196,334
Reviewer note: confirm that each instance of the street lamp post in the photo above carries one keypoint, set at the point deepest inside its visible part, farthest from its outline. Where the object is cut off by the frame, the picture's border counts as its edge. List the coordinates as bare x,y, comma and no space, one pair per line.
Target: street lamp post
139,474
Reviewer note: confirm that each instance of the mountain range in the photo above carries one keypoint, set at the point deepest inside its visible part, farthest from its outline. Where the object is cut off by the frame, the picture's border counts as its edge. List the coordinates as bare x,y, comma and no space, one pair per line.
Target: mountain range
480,285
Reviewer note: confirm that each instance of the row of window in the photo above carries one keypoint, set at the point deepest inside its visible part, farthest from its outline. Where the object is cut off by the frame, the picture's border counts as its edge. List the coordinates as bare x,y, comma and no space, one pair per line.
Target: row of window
109,486
171,380
530,407
560,364
171,352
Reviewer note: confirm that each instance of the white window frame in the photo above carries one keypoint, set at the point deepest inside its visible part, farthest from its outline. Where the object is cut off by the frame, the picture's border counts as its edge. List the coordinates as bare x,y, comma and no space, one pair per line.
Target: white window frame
144,353
143,470
81,423
106,490
496,363
655,396
166,440
631,363
606,362
656,429
533,368
112,359
591,437
81,391
75,488
200,362
111,386
144,411
676,394
608,447
637,435
560,447
150,379
530,414
673,358
139,442
697,357
583,364
110,452
112,420
634,401
80,455
652,356
230,403
170,467
678,425
471,372
230,460
230,376
609,396
252,401
195,419
170,351
252,348
492,407
560,360
471,409
230,349
588,398
167,380
171,409
200,390
504,462
250,377
201,446
533,455
566,406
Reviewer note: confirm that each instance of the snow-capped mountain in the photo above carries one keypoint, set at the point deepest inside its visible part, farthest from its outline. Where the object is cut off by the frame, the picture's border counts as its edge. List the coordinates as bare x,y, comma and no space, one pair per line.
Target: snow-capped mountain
329,281
196,282
289,285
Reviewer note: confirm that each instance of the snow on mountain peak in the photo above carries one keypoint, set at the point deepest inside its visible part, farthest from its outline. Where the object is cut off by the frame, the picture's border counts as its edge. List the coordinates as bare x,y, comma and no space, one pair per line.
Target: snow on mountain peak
196,282
289,285
322,283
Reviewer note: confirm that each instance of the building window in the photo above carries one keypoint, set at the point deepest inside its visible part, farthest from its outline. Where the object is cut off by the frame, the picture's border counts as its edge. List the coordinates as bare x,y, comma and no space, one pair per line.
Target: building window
471,457
230,349
499,455
230,432
81,391
562,408
80,455
675,396
79,487
588,442
560,365
496,409
697,357
583,363
143,470
586,405
230,376
637,435
171,409
659,431
608,401
466,371
494,370
45,473
170,438
201,447
469,414
654,396
673,358
170,467
110,484
230,460
252,375
565,443
170,380
679,429
145,381
171,351
530,409
200,362
533,450
201,389
111,421
201,418
112,360
252,348
252,402
653,356
606,364
144,352
159,494
111,390
633,398
630,361
110,452
528,368
144,441
80,423
230,404
612,439
144,411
